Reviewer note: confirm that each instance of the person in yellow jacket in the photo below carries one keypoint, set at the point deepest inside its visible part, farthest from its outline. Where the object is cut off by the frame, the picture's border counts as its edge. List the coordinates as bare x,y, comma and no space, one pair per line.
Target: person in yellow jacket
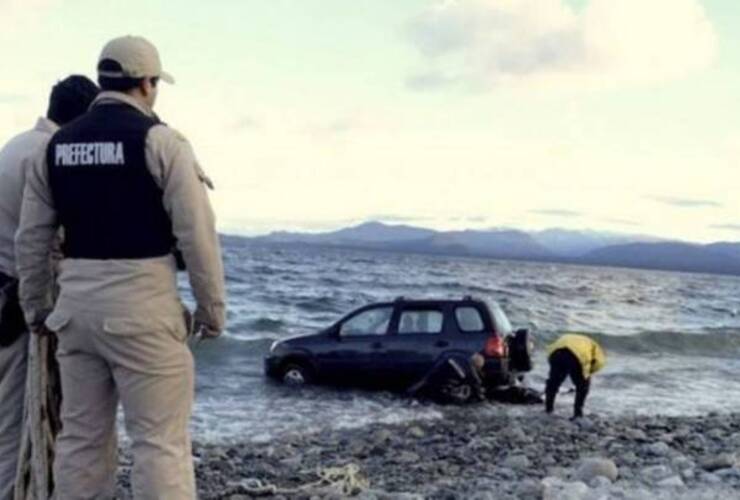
577,356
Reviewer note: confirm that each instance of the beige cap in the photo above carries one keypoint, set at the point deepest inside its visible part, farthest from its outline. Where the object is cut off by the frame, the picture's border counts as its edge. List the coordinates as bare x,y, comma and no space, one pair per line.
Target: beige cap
137,56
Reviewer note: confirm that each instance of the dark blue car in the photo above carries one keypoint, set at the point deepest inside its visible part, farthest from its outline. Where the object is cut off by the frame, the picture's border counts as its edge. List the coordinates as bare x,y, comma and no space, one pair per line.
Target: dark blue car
394,345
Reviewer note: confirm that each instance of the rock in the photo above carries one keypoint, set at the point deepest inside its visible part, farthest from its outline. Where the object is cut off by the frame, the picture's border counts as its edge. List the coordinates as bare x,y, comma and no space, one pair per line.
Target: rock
382,436
709,478
407,457
671,482
659,449
682,463
636,434
729,473
417,432
715,462
557,489
629,458
655,473
593,467
506,473
528,488
516,462
599,483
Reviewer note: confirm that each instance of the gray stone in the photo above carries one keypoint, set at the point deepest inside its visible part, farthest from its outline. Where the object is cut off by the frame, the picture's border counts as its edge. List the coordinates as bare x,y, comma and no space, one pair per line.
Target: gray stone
671,482
682,462
516,462
655,473
599,483
728,473
715,462
417,432
592,467
659,449
557,489
528,488
407,457
709,478
636,434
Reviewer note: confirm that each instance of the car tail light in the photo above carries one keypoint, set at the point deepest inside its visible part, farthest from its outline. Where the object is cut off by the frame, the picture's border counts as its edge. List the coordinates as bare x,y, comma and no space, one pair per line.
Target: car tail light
495,347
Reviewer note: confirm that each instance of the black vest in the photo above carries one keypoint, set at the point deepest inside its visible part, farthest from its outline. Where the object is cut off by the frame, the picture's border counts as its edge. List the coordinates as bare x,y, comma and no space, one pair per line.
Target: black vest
105,196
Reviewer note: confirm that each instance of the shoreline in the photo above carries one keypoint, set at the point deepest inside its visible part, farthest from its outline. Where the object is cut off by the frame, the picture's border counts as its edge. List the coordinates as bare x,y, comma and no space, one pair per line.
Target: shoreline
482,452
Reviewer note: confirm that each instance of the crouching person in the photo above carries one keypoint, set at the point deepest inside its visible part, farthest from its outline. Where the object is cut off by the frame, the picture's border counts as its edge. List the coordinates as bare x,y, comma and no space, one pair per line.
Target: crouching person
577,357
453,379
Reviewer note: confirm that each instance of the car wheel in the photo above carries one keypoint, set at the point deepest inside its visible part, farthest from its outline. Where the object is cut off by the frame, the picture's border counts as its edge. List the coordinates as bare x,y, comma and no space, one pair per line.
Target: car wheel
296,374
520,351
457,392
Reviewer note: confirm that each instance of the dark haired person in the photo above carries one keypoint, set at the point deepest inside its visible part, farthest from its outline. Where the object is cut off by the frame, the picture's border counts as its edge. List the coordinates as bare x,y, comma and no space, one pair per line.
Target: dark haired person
69,99
575,356
128,192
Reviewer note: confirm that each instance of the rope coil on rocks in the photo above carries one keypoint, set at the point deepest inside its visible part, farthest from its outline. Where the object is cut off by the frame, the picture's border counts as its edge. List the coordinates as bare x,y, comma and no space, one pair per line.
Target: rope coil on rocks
346,480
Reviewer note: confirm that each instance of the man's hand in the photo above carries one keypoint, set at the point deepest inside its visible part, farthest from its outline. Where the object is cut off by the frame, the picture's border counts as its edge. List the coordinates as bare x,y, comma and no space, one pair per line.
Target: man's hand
204,331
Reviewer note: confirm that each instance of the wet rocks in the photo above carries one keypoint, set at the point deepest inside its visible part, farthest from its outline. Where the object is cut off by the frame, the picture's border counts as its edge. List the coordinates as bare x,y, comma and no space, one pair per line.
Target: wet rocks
591,468
715,462
481,452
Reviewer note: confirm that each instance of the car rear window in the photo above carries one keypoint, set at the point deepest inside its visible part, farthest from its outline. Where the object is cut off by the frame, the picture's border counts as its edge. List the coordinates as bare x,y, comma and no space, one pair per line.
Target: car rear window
469,319
370,322
420,321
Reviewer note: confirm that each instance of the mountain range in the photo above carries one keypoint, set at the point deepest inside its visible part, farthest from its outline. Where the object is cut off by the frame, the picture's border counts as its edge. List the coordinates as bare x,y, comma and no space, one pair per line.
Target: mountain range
551,245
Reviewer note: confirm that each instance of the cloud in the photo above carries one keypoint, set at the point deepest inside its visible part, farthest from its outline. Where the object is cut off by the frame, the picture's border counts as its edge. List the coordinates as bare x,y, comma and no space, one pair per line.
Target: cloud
685,202
7,98
246,123
429,81
727,227
20,16
556,212
396,218
623,222
546,42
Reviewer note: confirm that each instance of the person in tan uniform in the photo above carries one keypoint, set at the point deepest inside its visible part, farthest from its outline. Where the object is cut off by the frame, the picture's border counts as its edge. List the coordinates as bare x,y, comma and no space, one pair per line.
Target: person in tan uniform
69,99
128,192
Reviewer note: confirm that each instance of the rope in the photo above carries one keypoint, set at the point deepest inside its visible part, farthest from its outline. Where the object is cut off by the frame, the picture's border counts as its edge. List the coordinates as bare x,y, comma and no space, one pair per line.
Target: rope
347,480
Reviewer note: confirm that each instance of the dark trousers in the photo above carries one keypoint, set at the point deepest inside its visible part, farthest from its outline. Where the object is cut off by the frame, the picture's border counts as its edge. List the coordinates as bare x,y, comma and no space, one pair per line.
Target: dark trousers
564,363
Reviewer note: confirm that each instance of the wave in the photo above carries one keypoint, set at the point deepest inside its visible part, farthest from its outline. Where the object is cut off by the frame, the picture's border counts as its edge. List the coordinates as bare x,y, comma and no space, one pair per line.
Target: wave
267,325
713,343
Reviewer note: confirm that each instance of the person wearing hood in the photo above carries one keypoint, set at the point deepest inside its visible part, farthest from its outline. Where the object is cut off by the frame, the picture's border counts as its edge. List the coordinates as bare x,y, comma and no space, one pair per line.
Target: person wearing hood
575,356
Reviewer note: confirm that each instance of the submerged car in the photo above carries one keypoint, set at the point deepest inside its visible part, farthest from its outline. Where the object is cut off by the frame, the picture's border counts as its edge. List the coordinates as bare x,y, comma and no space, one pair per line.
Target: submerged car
394,345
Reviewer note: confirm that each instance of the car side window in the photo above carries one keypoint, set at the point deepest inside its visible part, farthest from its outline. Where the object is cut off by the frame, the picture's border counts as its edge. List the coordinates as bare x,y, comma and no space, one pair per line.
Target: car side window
420,321
469,319
371,322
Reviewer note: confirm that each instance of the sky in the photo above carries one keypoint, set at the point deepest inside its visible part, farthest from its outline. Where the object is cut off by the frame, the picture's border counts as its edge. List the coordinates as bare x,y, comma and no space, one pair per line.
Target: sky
620,116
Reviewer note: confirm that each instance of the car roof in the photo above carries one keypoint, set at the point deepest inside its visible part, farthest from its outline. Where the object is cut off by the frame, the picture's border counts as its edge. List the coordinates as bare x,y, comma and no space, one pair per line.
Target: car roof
427,301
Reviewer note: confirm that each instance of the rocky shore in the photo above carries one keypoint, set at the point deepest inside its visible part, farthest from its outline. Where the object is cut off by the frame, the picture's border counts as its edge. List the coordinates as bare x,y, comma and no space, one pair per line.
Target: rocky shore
485,452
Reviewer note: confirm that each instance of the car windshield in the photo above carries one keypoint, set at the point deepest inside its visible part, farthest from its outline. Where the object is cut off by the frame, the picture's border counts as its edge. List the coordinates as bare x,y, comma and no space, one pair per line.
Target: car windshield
503,326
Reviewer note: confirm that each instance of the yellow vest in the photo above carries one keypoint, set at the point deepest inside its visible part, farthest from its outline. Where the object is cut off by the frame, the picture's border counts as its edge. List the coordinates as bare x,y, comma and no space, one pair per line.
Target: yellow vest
588,352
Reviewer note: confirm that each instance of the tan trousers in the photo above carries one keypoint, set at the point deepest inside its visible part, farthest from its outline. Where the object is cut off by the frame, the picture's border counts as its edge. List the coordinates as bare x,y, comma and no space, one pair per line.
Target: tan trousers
12,391
143,361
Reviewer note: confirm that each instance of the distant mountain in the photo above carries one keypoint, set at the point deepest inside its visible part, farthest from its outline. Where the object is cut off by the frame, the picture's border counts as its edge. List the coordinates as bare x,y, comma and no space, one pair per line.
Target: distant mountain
571,243
670,256
495,243
553,245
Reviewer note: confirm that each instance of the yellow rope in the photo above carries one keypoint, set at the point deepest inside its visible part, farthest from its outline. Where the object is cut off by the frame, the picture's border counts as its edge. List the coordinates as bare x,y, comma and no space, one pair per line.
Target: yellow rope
347,480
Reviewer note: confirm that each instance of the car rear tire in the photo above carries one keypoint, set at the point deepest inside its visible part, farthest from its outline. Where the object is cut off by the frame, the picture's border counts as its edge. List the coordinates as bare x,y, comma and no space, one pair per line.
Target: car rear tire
457,392
296,374
520,351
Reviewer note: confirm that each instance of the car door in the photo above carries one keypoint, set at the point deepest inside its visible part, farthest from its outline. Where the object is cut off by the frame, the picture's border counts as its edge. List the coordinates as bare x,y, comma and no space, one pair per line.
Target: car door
415,343
359,340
